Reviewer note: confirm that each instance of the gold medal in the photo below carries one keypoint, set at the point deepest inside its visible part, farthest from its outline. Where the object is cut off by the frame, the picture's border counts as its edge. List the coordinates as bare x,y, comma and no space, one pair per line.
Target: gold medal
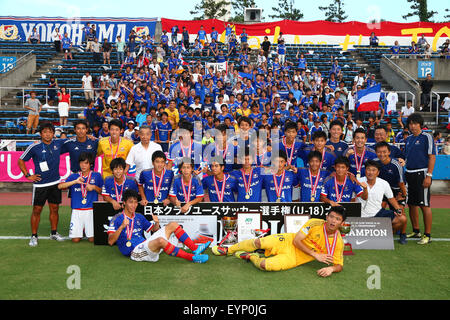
358,175
156,201
128,244
278,200
313,199
247,196
84,201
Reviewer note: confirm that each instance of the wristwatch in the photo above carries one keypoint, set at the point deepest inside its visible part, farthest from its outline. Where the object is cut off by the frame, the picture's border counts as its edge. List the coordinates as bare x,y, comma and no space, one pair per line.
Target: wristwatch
429,175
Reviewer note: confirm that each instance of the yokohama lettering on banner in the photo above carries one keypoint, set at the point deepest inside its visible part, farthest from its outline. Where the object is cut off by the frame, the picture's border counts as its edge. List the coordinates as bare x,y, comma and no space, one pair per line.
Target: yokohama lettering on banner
345,34
20,28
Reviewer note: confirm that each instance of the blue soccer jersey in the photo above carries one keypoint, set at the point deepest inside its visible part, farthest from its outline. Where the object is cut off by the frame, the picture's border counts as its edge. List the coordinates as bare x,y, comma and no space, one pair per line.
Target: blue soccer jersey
292,152
358,165
216,188
228,154
114,190
392,172
250,189
193,151
339,147
156,189
46,158
346,195
328,158
417,150
164,130
75,148
177,190
282,189
137,226
78,194
306,185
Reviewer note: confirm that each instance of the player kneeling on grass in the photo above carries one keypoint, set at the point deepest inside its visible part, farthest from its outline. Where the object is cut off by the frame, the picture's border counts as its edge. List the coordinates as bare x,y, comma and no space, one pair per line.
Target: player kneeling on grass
317,240
127,230
84,187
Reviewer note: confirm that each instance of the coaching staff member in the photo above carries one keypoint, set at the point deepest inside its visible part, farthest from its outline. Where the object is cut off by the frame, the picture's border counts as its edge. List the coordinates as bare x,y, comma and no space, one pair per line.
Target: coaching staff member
420,159
45,156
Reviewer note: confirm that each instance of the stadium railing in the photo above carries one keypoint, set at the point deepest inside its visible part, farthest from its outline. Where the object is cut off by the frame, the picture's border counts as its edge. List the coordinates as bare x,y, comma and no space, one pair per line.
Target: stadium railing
438,101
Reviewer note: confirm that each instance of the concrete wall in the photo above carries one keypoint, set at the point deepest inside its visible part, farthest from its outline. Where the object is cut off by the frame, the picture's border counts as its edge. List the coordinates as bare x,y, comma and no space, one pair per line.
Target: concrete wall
398,81
441,68
14,78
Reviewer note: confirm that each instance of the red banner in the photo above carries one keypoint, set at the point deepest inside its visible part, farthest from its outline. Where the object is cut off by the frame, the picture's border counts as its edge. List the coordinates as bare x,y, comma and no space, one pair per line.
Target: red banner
322,32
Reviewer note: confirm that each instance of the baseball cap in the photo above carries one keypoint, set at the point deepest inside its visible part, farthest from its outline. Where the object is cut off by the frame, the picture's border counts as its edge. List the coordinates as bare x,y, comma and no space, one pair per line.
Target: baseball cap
277,112
307,70
136,128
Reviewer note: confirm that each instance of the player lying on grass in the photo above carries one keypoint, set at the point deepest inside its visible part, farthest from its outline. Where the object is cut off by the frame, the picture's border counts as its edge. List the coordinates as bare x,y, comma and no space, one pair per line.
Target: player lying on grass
317,240
127,230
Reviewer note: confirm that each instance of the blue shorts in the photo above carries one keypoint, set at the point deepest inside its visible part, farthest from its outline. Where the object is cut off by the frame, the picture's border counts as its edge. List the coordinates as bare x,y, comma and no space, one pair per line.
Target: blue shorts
383,213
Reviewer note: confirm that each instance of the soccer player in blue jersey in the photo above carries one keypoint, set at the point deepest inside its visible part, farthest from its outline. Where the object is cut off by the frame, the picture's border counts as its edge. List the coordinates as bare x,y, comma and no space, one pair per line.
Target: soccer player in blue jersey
84,186
220,186
335,143
381,134
420,152
127,228
185,147
222,148
249,180
154,184
81,143
186,189
115,185
359,154
163,131
290,145
46,157
278,182
341,188
311,179
319,140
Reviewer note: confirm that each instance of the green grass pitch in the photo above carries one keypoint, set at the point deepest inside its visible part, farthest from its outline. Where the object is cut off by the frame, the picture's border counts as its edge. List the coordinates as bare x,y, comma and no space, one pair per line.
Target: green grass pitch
408,272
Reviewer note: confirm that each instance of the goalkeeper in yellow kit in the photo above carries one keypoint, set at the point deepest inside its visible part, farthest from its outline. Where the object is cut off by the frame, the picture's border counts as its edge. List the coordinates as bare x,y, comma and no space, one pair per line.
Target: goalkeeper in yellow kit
317,240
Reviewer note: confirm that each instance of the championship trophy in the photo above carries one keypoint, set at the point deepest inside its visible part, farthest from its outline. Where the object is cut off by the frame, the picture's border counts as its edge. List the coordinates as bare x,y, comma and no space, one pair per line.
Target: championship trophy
345,229
229,225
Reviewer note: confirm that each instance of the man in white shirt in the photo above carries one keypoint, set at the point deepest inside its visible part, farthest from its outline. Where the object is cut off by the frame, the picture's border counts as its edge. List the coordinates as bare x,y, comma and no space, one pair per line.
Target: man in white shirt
406,112
141,153
446,103
378,188
87,86
155,67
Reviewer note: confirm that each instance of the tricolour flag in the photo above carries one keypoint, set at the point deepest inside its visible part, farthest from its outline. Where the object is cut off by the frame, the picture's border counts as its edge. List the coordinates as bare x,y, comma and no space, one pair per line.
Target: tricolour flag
369,99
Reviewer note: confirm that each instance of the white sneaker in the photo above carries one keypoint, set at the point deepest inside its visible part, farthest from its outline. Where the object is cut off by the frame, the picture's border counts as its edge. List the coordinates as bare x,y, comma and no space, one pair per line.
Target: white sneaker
33,241
56,237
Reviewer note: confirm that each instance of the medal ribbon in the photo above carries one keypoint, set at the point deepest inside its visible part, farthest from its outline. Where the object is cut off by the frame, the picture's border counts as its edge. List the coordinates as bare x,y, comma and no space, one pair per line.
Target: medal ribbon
248,184
279,188
224,154
119,196
187,197
314,187
190,150
359,163
291,154
216,186
114,155
129,228
157,189
327,244
83,185
339,195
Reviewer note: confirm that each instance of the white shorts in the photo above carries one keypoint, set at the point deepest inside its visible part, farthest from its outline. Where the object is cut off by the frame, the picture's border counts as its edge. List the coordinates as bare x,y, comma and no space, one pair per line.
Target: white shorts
63,109
142,252
81,219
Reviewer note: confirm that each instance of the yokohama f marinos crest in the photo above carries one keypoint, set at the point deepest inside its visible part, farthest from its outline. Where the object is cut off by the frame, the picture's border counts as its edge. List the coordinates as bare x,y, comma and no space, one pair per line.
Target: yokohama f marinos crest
9,32
141,31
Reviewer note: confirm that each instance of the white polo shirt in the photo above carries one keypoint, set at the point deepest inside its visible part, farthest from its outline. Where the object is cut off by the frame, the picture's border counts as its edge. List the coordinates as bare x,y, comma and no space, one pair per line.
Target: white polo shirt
142,157
371,207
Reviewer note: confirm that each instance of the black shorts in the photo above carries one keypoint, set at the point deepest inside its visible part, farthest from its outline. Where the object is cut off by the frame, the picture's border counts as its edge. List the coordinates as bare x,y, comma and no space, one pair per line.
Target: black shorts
43,194
383,213
395,192
417,194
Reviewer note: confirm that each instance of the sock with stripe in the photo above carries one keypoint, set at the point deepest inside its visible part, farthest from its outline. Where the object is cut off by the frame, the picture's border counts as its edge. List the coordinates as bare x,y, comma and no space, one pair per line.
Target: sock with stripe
183,237
173,251
246,245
